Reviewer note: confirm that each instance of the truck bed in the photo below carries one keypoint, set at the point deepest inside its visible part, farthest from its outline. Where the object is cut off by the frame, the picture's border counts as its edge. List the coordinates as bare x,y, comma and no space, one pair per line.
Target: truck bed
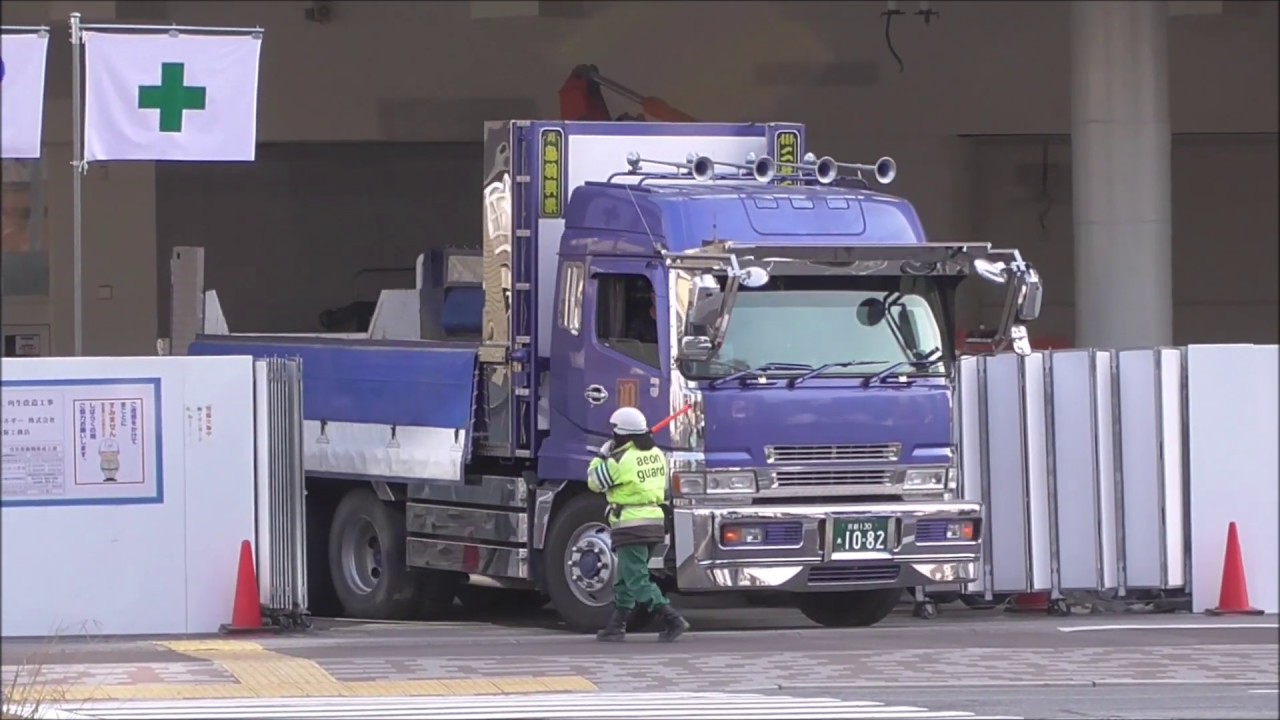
378,409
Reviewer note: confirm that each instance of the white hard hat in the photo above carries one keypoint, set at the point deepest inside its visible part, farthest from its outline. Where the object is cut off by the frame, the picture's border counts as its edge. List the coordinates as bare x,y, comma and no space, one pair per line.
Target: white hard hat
629,421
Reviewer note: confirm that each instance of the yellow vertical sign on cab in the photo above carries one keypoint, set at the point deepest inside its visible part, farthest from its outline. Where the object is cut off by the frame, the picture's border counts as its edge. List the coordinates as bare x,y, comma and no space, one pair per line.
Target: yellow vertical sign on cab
628,391
786,154
552,205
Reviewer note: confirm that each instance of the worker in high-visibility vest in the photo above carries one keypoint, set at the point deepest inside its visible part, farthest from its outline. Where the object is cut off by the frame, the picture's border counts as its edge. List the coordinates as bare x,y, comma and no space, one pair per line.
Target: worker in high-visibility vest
632,474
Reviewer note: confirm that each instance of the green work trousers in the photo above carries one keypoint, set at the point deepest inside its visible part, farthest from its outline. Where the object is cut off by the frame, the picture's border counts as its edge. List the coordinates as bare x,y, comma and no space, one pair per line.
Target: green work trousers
632,585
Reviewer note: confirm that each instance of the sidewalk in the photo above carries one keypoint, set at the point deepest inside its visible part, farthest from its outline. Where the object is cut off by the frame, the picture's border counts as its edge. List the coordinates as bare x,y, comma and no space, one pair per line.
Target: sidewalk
243,669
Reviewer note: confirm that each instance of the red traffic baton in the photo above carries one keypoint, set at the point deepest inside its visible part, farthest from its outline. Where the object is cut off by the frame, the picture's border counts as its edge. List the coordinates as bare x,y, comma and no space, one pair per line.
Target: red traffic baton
667,420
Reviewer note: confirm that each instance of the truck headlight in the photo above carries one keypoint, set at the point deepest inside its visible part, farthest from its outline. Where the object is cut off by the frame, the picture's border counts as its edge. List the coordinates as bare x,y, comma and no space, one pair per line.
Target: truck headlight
931,480
713,483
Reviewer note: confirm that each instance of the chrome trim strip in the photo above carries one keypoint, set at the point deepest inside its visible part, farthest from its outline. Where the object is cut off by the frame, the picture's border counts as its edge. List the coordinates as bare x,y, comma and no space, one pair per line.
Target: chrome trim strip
544,500
473,559
797,454
699,555
479,525
686,432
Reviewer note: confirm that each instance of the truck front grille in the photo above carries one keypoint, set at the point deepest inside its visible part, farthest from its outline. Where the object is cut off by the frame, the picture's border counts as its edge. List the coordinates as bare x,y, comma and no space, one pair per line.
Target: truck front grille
840,573
882,452
831,478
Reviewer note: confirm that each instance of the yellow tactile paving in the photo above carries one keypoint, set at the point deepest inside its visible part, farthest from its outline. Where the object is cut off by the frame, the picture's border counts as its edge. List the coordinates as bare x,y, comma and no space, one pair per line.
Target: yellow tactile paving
262,673
254,665
187,647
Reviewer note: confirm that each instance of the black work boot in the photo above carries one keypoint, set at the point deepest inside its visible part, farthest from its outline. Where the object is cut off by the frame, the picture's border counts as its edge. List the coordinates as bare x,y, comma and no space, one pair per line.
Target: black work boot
616,629
640,619
673,626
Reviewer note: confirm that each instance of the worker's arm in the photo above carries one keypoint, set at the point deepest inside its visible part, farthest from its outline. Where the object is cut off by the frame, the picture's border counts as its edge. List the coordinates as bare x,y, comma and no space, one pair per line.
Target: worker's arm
598,476
602,472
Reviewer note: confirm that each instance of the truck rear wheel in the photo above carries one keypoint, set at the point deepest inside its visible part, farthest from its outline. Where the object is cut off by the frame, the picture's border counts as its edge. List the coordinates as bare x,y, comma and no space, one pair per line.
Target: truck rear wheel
367,563
861,608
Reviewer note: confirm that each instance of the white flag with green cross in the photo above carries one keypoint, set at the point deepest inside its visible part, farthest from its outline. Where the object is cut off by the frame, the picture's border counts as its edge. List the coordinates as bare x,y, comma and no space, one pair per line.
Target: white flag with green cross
167,97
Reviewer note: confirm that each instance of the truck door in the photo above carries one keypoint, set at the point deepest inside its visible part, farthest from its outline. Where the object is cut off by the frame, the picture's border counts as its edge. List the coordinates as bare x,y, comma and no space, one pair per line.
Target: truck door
624,343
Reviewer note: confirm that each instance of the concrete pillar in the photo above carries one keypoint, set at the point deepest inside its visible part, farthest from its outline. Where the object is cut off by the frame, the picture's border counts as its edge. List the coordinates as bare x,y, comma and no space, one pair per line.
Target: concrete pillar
1120,146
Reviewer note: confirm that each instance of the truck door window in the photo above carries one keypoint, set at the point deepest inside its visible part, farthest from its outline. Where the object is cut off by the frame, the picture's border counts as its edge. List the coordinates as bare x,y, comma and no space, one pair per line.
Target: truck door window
571,297
626,317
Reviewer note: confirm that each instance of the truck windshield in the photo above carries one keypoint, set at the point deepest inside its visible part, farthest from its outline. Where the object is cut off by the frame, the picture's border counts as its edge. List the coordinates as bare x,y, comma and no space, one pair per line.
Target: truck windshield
867,327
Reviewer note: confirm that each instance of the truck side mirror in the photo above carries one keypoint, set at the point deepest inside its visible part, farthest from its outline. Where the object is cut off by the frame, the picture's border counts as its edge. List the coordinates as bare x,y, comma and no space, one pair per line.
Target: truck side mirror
1031,294
707,301
695,347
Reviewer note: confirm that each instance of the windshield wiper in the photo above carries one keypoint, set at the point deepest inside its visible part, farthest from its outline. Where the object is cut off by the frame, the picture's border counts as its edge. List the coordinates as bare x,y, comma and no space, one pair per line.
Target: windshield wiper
924,360
819,370
763,369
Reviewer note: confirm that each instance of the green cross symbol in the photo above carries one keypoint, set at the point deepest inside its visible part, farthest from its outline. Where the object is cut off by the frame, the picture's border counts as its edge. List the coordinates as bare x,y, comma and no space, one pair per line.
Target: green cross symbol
171,97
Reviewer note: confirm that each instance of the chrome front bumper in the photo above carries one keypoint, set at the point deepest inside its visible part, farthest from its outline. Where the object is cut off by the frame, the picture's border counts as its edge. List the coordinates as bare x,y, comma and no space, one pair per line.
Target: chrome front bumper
702,565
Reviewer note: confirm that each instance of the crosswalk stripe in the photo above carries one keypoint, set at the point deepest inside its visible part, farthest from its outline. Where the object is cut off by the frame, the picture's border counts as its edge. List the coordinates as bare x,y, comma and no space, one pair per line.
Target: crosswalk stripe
546,706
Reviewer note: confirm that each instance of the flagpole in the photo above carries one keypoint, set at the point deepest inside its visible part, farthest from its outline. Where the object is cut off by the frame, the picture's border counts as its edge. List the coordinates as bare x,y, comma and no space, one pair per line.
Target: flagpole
77,178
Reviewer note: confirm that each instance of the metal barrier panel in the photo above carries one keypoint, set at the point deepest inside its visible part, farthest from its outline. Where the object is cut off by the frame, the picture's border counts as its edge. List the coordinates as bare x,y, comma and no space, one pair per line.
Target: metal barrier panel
1149,431
970,419
1078,458
281,550
1006,492
1081,478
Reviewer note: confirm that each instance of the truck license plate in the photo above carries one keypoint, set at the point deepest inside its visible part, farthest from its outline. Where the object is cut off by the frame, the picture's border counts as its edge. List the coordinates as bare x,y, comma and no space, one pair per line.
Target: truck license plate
861,534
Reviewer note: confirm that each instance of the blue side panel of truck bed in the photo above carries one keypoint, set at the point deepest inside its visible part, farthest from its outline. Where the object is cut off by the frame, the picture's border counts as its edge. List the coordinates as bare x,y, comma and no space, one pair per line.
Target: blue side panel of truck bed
366,381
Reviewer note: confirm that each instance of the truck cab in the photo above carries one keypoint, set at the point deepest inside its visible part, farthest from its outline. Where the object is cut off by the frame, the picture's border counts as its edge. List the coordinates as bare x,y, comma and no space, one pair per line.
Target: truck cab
801,339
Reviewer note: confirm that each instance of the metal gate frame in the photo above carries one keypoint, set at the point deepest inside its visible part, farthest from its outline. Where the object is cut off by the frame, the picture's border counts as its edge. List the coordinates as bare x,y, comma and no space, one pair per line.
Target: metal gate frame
281,521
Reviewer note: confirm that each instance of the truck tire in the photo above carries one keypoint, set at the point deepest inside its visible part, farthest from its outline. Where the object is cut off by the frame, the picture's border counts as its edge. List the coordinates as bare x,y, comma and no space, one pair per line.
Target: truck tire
581,522
861,608
322,599
367,564
579,537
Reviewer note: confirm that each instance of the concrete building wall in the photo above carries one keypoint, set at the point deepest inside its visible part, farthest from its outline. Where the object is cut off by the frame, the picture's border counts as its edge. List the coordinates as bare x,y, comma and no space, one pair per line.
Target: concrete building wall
432,72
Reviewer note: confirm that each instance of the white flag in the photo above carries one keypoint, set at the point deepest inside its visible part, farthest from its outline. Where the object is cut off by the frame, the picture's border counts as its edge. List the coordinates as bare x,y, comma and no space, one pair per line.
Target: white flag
158,97
22,59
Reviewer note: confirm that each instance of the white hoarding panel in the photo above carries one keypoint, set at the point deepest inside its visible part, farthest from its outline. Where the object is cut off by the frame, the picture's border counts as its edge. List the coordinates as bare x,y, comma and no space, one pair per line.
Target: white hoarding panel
128,487
1075,469
1234,470
1007,494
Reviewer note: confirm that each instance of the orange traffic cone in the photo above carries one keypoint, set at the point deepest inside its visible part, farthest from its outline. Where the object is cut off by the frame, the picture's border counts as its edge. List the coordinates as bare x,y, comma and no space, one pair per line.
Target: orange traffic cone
246,612
1233,599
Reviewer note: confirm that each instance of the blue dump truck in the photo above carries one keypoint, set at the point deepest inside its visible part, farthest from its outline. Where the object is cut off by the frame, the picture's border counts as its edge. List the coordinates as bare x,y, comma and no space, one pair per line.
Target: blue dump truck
788,330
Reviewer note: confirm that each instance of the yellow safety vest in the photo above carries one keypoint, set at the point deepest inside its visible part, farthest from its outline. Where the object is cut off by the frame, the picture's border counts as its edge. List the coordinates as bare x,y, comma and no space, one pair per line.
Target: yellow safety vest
634,482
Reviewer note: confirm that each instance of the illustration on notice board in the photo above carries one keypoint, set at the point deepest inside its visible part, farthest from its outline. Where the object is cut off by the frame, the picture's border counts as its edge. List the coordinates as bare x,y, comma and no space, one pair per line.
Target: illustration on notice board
109,451
111,428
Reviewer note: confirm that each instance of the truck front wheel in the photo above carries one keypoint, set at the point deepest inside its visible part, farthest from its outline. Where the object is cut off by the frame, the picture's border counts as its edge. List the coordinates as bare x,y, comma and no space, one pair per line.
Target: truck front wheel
366,561
861,608
579,564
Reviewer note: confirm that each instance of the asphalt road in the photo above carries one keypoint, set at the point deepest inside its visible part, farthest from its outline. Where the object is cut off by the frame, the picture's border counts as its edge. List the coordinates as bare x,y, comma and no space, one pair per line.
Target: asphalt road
1137,702
759,662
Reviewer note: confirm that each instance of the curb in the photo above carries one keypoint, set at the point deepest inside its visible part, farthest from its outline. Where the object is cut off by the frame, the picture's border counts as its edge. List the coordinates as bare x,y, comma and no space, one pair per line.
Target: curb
967,684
